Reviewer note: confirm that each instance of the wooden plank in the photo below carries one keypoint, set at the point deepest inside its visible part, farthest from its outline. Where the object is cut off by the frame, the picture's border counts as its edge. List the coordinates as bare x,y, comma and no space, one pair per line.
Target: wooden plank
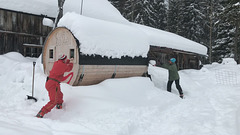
94,74
14,22
9,21
1,19
1,43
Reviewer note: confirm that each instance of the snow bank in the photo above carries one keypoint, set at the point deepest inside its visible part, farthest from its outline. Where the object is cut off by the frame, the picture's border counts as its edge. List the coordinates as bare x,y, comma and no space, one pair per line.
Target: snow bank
229,61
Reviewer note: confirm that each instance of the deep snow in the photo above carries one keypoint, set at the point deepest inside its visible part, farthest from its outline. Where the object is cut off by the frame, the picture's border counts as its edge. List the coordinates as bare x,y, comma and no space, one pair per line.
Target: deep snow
128,106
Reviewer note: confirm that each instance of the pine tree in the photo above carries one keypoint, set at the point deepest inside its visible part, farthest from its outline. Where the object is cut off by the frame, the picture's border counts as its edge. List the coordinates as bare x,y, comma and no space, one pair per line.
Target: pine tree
191,20
223,45
159,14
210,8
228,33
151,13
119,4
173,16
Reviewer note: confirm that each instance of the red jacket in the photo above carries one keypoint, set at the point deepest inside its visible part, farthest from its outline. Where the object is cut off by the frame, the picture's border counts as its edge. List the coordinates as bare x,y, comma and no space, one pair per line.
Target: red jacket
59,68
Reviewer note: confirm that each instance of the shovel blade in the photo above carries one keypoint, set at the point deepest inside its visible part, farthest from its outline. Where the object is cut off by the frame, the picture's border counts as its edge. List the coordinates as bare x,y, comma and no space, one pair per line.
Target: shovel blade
31,97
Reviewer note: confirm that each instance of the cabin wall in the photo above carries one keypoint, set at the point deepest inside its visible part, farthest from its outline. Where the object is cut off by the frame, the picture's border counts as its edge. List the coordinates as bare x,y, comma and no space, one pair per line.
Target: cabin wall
95,68
94,74
18,28
185,60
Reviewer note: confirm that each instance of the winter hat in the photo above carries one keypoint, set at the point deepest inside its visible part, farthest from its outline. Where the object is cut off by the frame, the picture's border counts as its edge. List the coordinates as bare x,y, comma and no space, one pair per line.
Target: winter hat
173,60
62,57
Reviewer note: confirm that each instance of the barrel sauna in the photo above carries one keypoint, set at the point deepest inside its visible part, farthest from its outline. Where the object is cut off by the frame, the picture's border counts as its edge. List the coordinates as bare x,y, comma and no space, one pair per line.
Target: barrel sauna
88,70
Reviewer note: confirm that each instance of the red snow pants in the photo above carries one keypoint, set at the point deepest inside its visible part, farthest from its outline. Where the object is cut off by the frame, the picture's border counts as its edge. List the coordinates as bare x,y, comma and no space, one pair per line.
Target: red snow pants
55,95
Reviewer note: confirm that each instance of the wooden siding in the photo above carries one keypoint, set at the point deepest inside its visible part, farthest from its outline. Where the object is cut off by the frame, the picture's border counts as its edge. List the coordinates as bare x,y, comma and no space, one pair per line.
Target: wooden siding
18,28
94,74
185,60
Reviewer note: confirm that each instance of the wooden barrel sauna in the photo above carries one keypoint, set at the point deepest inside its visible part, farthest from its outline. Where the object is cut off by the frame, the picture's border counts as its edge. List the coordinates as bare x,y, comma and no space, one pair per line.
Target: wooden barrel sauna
88,70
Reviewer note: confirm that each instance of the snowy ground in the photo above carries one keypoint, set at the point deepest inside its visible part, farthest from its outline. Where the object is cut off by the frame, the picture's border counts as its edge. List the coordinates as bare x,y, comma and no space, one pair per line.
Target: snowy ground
130,106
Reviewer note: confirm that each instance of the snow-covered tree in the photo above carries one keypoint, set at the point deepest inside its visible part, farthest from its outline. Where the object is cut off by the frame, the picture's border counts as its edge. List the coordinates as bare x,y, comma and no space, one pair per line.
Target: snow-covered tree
151,13
119,4
159,14
228,30
173,16
191,20
213,23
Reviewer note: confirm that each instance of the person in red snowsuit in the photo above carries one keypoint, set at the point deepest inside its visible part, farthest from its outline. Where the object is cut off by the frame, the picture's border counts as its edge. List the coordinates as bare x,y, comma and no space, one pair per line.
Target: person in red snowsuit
53,84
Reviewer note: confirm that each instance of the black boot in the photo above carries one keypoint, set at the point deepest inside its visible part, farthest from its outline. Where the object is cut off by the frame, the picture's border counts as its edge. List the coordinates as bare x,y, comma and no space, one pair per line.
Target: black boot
40,114
59,106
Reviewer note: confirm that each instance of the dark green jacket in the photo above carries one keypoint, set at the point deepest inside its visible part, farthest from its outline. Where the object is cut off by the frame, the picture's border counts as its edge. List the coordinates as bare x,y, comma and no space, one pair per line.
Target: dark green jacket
172,71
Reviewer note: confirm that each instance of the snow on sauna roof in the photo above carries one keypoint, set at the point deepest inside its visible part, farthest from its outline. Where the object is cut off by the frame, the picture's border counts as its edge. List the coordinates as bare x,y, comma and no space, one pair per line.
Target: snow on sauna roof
162,38
106,38
99,9
115,40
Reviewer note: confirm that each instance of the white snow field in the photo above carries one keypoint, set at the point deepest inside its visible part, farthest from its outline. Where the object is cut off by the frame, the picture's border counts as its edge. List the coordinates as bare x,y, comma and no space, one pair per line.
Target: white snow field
127,106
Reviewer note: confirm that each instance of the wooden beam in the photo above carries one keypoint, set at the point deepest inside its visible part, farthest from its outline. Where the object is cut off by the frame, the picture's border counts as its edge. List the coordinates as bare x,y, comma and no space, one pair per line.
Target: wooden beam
19,33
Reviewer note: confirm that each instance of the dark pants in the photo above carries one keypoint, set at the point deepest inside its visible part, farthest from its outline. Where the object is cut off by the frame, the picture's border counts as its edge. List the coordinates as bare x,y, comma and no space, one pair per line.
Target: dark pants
169,86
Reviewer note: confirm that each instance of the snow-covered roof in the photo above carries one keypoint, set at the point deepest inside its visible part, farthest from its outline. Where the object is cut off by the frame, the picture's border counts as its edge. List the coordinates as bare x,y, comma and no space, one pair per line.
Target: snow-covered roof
106,38
115,39
162,38
99,9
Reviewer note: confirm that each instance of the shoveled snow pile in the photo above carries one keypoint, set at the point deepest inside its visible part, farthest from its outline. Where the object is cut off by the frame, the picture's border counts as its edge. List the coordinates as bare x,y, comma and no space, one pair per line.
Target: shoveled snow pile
128,106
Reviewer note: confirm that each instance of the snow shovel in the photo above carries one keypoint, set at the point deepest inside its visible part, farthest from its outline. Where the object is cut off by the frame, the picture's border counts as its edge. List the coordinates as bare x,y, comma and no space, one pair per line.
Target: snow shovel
31,97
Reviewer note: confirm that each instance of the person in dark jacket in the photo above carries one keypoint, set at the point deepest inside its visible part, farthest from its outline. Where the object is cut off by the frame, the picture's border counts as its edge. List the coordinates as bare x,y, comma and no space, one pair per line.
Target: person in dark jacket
53,84
173,76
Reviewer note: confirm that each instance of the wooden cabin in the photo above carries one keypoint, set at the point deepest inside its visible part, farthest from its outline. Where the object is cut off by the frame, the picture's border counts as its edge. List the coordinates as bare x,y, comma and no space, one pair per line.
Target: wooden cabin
165,45
22,32
185,60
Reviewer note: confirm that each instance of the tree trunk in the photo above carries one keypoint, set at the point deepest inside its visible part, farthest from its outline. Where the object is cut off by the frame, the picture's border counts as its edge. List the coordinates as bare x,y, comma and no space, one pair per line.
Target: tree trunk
210,33
60,12
236,56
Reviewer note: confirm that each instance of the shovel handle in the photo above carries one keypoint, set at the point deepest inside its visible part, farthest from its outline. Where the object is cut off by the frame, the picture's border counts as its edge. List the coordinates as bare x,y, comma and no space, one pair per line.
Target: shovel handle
34,63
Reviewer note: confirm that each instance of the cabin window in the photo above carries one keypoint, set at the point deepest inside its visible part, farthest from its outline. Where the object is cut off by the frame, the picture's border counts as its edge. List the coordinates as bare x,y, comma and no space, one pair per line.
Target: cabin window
51,53
71,53
32,50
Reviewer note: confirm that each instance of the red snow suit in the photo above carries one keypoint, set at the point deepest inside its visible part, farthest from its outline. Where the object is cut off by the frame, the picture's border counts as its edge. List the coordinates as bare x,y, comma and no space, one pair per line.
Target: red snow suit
53,84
